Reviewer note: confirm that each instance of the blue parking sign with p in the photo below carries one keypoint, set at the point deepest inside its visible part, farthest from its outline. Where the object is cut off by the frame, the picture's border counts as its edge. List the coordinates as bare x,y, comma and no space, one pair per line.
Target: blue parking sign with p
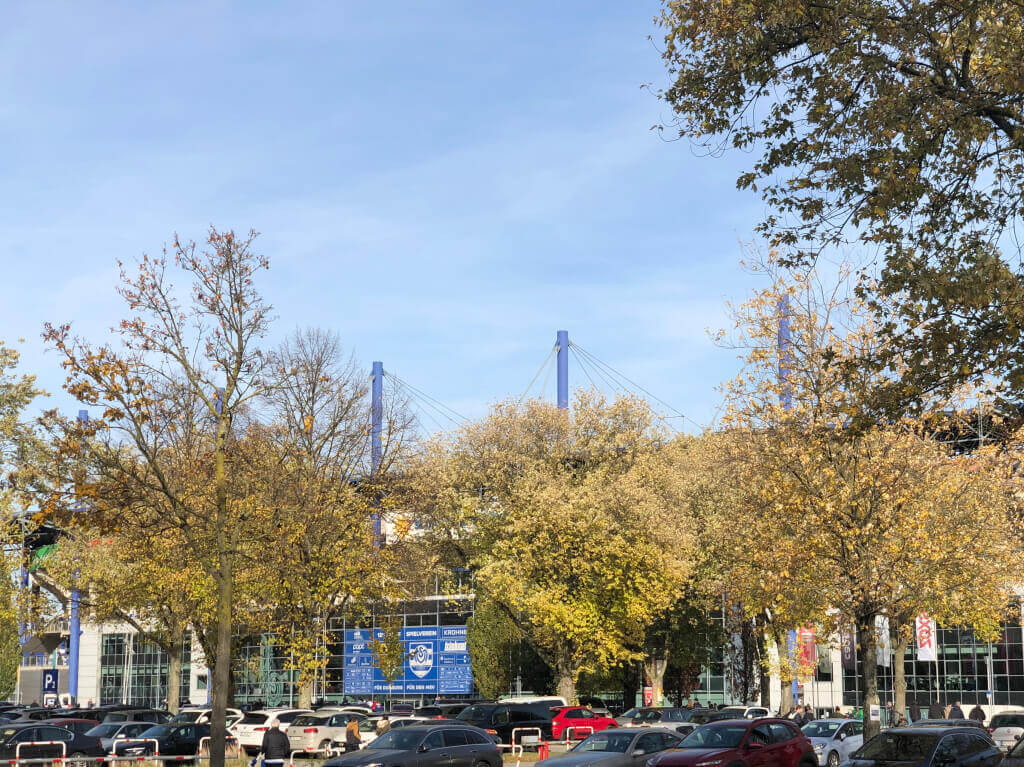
50,681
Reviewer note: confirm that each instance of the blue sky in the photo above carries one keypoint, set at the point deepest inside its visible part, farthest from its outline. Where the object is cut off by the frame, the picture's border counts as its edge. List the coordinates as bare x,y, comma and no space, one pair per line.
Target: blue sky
444,183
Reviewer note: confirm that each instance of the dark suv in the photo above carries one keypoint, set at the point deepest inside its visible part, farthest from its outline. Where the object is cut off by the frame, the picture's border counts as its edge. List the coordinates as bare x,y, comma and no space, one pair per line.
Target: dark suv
742,743
502,719
426,745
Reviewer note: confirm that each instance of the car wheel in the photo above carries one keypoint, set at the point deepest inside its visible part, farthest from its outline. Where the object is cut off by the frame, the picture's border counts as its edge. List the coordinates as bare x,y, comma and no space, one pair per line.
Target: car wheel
325,746
78,755
833,759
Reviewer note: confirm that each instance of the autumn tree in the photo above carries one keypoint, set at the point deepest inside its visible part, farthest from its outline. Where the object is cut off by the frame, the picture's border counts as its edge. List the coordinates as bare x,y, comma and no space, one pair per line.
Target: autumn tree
153,584
325,560
898,125
848,519
172,394
568,521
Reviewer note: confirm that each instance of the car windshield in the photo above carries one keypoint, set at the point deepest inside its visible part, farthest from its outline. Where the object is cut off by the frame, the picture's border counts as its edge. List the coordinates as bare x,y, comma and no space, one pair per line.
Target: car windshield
719,736
115,718
1018,750
631,713
648,715
898,747
103,730
306,719
1006,720
733,711
476,714
404,739
158,731
820,729
254,719
613,742
187,716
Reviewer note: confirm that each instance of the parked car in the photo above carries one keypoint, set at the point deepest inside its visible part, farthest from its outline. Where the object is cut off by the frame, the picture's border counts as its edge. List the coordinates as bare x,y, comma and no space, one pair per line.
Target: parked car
429,712
1015,758
502,718
202,716
626,717
173,739
834,740
154,715
742,712
402,709
742,743
409,721
662,716
110,732
318,731
441,744
598,705
249,731
929,747
948,723
452,710
77,745
625,747
578,722
83,741
1007,728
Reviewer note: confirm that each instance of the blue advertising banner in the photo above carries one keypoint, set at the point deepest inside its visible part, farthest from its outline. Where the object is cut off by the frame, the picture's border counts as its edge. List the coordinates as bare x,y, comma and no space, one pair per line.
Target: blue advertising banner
436,663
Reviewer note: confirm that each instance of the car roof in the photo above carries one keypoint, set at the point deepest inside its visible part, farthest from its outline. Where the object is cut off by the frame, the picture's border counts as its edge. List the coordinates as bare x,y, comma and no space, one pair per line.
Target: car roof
947,728
836,719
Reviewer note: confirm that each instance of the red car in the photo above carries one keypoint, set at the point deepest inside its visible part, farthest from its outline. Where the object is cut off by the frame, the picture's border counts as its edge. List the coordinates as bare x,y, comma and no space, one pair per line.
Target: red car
584,721
742,743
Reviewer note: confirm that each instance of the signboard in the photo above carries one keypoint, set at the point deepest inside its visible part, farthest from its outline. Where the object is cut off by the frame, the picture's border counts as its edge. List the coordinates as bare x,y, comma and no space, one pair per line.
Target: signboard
436,663
875,713
925,637
849,651
50,680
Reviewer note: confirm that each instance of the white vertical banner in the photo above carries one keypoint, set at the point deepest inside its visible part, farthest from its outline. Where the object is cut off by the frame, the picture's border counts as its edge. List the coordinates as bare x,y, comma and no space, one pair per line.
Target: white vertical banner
925,628
884,642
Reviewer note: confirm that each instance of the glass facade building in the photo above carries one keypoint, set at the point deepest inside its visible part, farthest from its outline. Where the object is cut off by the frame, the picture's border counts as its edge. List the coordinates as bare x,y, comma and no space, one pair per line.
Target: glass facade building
966,668
134,670
264,672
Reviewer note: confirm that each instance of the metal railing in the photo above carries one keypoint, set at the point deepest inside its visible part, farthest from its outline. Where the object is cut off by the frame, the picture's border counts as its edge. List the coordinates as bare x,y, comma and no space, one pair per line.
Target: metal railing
129,741
523,738
570,731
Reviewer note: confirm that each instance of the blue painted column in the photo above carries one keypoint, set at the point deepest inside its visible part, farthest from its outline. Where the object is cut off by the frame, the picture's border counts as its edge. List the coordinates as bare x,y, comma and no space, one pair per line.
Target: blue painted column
75,626
376,430
562,342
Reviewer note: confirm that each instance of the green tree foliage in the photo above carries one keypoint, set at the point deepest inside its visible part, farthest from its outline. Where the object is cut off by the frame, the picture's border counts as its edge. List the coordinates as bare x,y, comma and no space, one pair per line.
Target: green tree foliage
10,644
897,124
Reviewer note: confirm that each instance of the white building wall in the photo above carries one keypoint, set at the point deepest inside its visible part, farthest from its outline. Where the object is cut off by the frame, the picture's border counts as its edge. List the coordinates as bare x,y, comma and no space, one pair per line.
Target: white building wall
89,663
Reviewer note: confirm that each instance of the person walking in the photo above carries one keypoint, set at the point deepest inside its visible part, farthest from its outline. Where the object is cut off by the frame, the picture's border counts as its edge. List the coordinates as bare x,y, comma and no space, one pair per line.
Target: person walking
352,739
977,714
955,712
383,725
935,711
915,712
275,747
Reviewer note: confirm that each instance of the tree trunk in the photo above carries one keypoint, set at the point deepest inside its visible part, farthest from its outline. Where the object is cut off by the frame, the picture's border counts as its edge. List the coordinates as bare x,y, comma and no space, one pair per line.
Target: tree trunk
785,672
655,669
764,677
868,642
306,692
174,654
899,674
222,662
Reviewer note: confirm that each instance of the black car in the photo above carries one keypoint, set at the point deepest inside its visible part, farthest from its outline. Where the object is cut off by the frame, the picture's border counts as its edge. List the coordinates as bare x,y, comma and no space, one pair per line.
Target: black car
502,719
948,723
35,732
174,739
426,745
137,715
929,747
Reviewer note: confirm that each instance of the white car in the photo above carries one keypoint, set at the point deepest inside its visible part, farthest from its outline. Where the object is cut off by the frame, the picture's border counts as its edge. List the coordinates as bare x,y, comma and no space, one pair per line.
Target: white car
198,715
834,740
254,725
744,712
1007,728
319,731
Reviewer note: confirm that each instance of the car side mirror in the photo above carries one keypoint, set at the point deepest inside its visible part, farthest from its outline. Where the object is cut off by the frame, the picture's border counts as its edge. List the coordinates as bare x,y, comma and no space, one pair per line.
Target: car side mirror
842,736
638,752
423,748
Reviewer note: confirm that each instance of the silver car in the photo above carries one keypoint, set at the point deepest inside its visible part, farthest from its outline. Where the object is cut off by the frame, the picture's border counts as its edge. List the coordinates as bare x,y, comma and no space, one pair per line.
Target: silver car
1007,728
110,732
834,739
616,748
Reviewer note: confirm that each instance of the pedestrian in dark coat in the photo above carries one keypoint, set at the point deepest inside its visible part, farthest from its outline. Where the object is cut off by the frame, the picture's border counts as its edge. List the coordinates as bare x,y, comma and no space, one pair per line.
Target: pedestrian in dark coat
915,712
977,714
936,711
955,712
275,748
